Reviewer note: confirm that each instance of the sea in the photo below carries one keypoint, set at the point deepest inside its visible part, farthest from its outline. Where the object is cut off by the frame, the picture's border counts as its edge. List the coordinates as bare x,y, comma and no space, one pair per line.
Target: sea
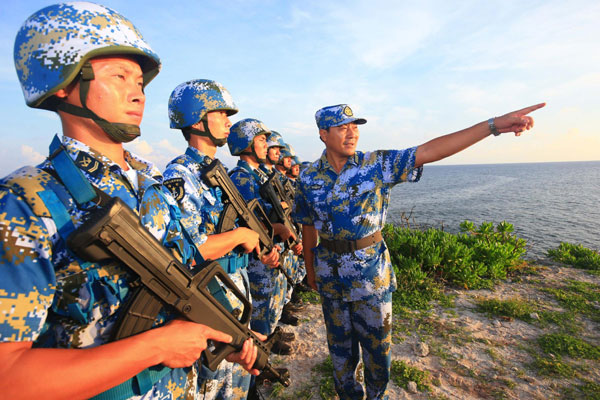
547,203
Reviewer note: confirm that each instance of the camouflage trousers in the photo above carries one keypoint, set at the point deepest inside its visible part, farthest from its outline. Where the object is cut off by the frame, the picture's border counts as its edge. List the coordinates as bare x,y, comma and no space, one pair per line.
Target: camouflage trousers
354,326
268,288
230,380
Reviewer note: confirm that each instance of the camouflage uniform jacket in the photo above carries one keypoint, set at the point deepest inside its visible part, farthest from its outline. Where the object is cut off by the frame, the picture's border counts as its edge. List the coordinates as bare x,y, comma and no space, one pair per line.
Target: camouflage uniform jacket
350,206
201,205
51,297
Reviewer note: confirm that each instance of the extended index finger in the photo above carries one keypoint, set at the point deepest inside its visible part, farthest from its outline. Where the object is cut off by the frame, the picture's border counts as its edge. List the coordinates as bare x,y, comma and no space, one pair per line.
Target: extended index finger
219,336
529,109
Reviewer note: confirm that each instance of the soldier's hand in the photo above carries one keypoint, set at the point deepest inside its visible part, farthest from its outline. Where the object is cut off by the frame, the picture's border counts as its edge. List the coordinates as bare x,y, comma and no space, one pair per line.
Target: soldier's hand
297,249
516,121
283,232
250,240
271,259
181,342
247,356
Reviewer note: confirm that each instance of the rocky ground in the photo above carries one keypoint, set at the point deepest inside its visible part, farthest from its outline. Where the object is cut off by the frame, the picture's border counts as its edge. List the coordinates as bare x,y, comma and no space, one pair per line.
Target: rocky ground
470,354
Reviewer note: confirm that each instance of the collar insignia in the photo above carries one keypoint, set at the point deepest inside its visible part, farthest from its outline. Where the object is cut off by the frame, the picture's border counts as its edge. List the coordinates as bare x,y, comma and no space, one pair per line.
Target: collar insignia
89,164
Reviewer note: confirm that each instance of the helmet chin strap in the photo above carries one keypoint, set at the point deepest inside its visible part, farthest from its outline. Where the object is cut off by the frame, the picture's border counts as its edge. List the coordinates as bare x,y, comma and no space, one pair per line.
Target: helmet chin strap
206,133
271,160
121,133
253,154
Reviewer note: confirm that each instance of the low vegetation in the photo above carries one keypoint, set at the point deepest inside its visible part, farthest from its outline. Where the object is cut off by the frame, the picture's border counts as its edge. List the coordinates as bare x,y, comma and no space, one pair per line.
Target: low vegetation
564,315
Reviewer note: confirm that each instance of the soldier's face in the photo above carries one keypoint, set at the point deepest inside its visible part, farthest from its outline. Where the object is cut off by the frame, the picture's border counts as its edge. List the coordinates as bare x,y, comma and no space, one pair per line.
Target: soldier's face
296,170
219,124
341,140
273,154
260,146
116,91
287,162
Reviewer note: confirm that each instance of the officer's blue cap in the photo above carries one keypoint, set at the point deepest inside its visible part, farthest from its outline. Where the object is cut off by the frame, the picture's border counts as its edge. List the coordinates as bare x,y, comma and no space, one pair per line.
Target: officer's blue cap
341,114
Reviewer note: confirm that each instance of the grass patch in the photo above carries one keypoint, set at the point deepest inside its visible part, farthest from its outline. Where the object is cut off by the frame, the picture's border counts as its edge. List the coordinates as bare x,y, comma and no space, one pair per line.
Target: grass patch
402,373
552,367
512,308
576,256
590,390
326,385
578,297
564,344
311,297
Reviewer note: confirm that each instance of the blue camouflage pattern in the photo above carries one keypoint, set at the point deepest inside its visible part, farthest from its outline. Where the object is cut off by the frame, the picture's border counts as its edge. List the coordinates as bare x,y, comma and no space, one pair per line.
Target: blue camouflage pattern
355,287
350,206
201,207
268,286
243,132
49,296
275,140
367,323
192,100
54,42
331,116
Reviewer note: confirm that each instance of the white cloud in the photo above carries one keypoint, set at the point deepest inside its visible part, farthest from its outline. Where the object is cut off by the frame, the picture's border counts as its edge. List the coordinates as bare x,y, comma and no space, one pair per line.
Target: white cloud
30,156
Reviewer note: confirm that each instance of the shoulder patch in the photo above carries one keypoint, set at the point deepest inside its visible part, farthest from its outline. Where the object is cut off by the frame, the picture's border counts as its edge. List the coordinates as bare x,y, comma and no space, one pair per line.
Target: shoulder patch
27,182
89,164
175,186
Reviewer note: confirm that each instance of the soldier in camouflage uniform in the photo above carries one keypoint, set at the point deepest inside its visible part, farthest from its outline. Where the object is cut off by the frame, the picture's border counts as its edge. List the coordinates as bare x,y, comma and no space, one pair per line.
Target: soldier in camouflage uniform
300,270
248,140
58,312
201,109
341,202
275,145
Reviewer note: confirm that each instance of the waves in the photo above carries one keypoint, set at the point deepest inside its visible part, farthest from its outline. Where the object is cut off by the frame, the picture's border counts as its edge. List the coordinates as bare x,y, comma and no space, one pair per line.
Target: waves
546,202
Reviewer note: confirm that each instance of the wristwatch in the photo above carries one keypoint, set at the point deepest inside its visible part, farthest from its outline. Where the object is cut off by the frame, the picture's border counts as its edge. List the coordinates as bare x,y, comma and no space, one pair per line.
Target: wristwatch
492,126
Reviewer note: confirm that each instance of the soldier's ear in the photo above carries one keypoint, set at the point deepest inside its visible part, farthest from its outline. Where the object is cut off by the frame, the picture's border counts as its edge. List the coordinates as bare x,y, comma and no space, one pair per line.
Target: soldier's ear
63,93
323,134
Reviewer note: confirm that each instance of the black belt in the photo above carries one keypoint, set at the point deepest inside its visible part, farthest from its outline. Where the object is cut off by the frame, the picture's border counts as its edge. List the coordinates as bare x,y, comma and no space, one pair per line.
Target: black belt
349,246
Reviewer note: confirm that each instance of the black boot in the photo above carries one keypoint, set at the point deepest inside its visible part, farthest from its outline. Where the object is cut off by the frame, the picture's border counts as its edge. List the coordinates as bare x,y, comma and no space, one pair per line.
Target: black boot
287,317
269,376
287,337
281,348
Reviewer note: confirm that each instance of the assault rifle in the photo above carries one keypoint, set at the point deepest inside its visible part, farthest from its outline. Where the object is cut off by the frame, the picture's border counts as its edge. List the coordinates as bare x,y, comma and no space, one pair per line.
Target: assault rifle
115,232
273,191
250,214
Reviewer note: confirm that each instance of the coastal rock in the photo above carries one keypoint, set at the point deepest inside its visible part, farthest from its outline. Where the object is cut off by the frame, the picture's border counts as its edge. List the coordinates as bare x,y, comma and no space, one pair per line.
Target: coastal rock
412,387
535,316
422,349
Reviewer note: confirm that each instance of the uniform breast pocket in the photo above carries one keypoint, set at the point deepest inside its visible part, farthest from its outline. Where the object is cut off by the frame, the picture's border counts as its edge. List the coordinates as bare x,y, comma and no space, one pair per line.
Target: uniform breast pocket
363,198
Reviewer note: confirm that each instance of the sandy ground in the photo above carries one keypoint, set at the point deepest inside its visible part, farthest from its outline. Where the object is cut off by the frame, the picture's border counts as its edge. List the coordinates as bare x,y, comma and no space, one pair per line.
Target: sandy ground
471,355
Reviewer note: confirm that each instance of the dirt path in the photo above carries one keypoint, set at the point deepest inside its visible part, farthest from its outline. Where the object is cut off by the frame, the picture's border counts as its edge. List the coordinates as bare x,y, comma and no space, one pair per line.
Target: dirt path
468,354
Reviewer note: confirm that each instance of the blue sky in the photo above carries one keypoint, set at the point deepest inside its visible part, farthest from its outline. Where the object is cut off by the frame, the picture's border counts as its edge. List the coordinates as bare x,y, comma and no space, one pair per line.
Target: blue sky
413,69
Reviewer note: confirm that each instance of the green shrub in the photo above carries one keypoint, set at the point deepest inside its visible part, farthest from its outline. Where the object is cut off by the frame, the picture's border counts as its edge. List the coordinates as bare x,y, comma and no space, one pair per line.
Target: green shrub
423,260
402,373
576,255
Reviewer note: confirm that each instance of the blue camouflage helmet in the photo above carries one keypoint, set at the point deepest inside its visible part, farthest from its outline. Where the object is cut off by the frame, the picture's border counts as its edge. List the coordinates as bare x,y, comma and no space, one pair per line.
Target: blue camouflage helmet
295,160
191,101
287,151
243,132
332,116
275,140
54,43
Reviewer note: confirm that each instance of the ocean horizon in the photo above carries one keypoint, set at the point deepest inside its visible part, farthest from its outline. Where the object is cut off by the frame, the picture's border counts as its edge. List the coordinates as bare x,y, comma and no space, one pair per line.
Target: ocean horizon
548,203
